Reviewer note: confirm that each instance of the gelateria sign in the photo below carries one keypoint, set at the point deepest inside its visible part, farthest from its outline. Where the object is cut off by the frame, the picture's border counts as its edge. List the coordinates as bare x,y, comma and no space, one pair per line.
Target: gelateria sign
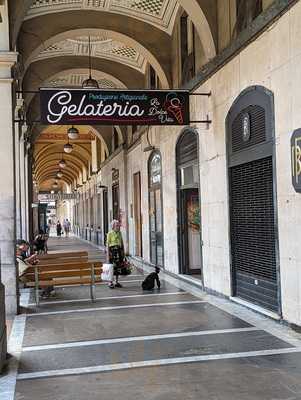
114,107
296,159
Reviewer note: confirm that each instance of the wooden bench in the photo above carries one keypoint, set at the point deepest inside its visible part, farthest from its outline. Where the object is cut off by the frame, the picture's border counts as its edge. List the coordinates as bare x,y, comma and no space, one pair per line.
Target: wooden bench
64,274
65,255
62,261
64,258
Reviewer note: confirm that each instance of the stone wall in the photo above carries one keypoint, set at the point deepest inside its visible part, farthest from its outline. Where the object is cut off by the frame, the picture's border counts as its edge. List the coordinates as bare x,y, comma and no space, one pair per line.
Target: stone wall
272,61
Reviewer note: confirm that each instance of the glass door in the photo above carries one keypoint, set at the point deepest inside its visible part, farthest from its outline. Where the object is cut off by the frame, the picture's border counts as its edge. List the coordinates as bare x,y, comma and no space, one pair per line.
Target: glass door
155,210
191,249
189,215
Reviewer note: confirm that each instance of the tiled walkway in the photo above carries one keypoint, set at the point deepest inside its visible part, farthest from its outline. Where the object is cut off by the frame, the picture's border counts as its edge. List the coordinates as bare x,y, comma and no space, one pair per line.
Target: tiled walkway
163,345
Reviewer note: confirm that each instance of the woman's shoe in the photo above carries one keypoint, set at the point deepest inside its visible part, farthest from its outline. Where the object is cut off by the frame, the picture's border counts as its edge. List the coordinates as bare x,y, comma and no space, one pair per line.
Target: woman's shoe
118,285
111,286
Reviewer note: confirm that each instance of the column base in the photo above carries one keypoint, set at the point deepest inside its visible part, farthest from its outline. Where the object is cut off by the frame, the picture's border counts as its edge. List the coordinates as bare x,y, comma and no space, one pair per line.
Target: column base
3,336
9,280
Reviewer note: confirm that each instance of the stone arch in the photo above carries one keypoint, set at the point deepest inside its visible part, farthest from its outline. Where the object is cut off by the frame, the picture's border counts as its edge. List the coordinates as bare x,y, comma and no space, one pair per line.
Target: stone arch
39,130
120,134
95,73
84,154
127,40
200,21
41,70
197,15
51,172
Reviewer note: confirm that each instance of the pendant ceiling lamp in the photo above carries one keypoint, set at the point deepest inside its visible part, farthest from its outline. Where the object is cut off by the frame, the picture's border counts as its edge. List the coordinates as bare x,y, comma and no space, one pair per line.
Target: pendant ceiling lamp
73,133
90,83
62,163
68,147
59,174
55,185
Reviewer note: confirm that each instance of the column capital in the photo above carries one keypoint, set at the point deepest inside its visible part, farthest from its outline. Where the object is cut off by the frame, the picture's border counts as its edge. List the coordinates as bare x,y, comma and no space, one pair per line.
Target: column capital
7,60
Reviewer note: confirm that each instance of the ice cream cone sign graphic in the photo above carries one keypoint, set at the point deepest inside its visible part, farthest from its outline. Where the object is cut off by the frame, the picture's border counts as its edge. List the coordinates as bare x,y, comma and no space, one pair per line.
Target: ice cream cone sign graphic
174,106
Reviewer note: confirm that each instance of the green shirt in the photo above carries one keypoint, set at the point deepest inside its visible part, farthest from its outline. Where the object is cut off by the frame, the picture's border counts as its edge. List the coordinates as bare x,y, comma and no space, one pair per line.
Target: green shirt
114,239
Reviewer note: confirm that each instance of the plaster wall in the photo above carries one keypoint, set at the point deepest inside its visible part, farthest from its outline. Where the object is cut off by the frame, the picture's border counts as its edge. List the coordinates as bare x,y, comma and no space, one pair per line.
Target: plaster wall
272,61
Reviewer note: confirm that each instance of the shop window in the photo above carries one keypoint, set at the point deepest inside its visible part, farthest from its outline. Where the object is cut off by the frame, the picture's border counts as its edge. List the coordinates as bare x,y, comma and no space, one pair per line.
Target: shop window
247,11
189,175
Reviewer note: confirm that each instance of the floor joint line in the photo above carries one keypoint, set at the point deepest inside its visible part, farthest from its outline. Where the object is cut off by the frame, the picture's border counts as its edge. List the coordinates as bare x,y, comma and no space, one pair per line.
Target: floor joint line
154,363
112,308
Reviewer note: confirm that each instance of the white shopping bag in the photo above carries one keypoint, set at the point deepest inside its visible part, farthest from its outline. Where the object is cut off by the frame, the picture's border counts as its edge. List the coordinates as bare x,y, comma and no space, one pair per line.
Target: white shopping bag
107,272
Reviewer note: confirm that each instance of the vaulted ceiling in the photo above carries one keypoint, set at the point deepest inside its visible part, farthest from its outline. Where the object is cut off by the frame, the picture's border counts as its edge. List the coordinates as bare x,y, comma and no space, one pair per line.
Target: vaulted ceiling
126,35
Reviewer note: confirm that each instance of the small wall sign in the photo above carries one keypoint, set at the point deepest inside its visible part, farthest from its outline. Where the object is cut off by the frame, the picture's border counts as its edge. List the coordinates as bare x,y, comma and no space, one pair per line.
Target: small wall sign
246,127
115,175
296,159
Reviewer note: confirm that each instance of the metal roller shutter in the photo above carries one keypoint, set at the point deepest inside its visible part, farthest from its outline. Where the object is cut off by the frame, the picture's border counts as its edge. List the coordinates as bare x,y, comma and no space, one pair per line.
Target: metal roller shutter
253,233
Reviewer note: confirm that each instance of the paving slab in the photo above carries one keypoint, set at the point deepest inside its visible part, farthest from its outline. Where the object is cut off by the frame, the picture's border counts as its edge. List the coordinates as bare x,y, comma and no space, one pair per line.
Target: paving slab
258,378
80,340
124,300
144,350
126,322
129,288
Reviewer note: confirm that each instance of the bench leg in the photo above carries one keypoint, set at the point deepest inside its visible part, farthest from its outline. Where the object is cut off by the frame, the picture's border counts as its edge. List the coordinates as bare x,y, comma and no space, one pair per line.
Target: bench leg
36,276
93,298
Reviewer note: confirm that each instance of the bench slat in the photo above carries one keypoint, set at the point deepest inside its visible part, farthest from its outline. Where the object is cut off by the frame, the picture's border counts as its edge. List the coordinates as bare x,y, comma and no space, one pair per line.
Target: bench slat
47,268
57,267
64,282
63,255
63,274
63,261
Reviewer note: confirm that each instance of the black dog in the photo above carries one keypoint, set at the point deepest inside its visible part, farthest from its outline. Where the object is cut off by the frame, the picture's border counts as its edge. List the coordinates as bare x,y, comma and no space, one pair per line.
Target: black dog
149,281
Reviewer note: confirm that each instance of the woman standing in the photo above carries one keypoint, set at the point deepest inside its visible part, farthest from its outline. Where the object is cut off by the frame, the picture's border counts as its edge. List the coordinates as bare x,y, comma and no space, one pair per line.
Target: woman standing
58,229
115,251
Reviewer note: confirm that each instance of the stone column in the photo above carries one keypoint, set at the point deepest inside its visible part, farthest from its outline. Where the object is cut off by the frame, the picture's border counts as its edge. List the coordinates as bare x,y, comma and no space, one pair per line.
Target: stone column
27,197
8,287
7,195
23,185
8,290
17,131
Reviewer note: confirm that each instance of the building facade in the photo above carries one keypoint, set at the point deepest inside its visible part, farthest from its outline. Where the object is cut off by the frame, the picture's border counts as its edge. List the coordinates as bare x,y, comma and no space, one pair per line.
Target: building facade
213,202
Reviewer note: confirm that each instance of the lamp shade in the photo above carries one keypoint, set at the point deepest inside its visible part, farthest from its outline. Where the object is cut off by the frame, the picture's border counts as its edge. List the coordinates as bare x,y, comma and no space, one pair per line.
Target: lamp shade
90,83
59,174
68,148
73,133
62,163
